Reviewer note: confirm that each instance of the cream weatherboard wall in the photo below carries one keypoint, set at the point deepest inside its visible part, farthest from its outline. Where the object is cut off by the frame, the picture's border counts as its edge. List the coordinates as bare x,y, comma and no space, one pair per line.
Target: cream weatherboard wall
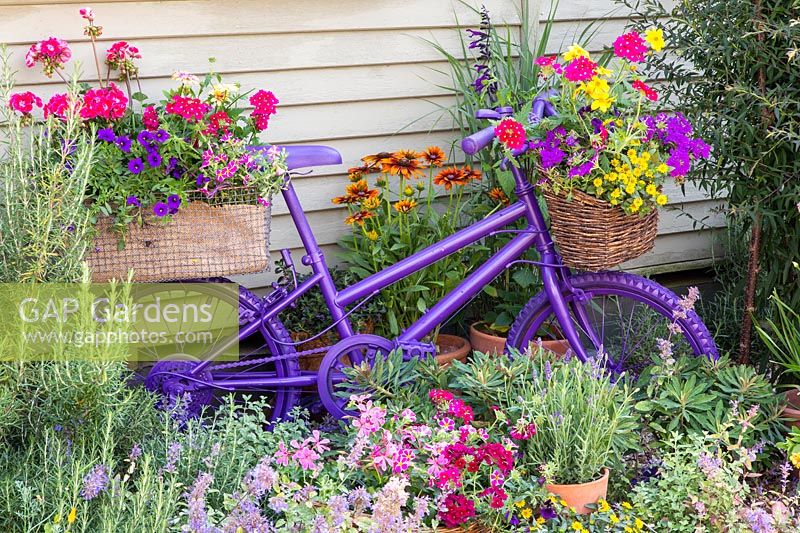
357,75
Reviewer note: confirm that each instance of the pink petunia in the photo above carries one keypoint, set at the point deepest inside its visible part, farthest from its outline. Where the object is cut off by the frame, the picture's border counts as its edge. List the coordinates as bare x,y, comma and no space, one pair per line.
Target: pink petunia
630,46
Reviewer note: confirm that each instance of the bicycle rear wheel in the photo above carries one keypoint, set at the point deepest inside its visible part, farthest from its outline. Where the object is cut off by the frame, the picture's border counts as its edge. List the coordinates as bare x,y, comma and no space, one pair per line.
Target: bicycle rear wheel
625,313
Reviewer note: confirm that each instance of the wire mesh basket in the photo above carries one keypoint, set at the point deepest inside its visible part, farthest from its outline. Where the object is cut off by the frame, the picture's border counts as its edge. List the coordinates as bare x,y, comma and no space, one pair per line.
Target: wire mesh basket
218,236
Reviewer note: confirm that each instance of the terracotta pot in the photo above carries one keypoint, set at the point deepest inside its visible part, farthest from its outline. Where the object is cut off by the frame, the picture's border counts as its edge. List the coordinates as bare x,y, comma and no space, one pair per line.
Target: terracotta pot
450,347
580,494
792,409
485,342
558,346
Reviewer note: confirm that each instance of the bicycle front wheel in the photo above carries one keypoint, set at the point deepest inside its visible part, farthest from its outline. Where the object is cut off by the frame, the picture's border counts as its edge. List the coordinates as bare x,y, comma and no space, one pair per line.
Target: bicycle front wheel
624,313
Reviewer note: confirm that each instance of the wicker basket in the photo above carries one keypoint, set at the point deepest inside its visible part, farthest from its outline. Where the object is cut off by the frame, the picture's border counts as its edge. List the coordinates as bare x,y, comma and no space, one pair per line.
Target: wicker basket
592,234
220,236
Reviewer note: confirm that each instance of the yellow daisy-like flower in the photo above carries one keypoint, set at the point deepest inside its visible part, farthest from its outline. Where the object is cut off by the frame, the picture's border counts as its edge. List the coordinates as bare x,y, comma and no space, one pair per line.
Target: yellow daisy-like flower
520,504
627,505
73,514
615,163
372,235
614,518
598,182
371,203
540,520
655,38
662,199
628,529
611,177
630,188
603,506
604,72
575,51
662,168
638,524
405,206
577,526
637,203
527,513
563,502
651,189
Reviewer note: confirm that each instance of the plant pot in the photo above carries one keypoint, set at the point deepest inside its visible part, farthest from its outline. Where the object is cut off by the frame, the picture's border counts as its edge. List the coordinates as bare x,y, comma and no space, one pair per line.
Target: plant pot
579,495
451,347
557,346
792,409
485,342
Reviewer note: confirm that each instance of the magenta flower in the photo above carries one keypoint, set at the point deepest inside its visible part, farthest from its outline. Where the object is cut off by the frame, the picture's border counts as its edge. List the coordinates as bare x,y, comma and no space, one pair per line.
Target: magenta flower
135,165
52,53
23,103
630,46
580,69
160,209
305,457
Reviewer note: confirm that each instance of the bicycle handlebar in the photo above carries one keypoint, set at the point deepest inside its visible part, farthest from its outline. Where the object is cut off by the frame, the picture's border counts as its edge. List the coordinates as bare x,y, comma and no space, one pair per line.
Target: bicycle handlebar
477,141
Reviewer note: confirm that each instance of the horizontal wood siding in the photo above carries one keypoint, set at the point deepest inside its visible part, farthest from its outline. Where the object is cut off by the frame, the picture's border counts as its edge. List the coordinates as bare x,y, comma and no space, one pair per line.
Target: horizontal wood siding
356,75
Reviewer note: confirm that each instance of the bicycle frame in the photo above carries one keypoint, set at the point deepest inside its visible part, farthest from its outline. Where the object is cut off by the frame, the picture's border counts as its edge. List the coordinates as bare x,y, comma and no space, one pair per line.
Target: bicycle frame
535,234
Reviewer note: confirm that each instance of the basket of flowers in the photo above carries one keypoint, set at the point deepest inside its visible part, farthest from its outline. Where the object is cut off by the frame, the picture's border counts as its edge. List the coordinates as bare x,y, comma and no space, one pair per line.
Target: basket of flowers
602,154
179,193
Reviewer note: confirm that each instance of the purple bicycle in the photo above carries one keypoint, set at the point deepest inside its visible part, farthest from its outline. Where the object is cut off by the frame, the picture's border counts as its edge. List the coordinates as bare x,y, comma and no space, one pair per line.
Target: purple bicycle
616,313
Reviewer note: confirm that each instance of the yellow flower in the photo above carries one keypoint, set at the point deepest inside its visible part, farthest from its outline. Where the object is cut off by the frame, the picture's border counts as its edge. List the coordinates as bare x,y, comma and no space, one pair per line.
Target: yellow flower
637,171
223,91
540,520
372,235
405,206
615,163
611,176
627,505
655,38
638,524
526,513
596,88
628,529
603,104
630,188
520,504
795,459
646,156
577,526
598,182
662,199
575,51
614,518
651,189
616,193
73,514
563,502
662,168
631,154
57,518
637,203
408,191
371,203
603,71
603,506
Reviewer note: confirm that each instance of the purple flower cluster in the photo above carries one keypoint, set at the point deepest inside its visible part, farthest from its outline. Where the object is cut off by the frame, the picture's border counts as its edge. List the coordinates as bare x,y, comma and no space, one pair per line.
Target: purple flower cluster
676,132
107,135
94,482
196,504
480,42
553,151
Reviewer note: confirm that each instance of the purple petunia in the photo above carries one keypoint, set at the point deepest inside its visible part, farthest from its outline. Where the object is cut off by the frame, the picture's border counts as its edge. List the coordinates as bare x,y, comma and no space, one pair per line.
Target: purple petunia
135,165
160,209
551,156
680,161
123,142
153,159
582,169
94,482
106,135
134,201
145,138
161,136
201,180
173,202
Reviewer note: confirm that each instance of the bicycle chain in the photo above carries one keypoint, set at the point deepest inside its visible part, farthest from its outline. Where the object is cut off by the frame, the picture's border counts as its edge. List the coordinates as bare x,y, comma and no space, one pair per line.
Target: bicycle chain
270,358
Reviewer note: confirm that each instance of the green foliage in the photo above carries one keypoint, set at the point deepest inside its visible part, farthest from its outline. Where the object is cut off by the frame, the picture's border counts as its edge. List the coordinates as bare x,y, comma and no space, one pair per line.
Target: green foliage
44,223
781,336
735,72
694,395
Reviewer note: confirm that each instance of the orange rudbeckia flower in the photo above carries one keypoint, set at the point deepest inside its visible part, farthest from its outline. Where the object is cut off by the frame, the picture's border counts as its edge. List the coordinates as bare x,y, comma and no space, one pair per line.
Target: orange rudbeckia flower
359,218
404,206
403,163
355,193
434,156
451,176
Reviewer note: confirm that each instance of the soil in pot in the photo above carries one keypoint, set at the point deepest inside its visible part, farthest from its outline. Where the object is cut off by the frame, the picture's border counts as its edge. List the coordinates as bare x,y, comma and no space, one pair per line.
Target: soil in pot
451,347
578,495
484,340
792,409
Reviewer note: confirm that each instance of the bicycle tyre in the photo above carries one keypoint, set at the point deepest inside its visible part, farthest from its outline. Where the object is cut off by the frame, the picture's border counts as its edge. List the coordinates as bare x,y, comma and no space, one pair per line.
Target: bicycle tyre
532,322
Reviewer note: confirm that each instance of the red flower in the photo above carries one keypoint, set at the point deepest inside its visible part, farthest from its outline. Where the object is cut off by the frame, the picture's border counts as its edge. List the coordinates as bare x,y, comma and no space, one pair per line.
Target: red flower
24,102
523,433
580,69
150,118
646,90
511,133
448,478
57,105
457,510
630,46
217,122
191,109
108,103
264,105
461,410
439,396
121,51
52,53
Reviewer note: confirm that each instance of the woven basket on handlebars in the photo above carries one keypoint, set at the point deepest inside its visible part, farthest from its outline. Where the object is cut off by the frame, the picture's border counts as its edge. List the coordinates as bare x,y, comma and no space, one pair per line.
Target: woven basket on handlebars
592,234
224,235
